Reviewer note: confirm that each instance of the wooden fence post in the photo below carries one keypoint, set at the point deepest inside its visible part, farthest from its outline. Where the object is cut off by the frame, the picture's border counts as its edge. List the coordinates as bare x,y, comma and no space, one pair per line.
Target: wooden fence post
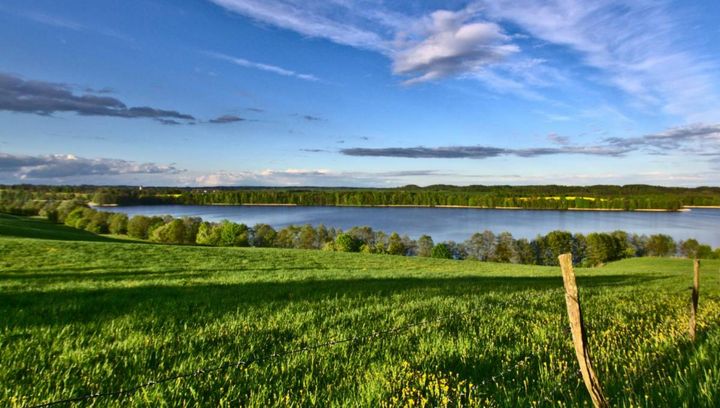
577,328
695,297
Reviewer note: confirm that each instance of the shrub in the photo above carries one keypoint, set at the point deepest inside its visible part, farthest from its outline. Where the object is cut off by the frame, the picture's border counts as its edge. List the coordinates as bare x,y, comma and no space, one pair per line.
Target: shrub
264,235
208,234
98,222
346,243
441,251
395,245
660,245
79,217
170,233
425,246
118,224
138,226
232,234
504,248
690,248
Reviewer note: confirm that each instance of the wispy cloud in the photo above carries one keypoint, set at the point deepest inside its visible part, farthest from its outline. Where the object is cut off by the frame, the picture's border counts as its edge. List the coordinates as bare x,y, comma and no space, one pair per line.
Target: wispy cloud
640,46
46,98
68,24
309,19
263,67
315,177
691,139
227,119
66,165
422,48
480,152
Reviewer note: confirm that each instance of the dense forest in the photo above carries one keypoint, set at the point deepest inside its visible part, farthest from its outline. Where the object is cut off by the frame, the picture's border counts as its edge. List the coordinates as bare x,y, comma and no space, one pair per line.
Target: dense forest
601,197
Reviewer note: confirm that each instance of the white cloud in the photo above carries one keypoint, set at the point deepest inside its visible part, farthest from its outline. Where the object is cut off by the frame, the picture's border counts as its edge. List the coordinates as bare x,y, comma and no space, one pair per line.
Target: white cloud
263,67
312,20
58,166
441,44
639,45
451,44
642,47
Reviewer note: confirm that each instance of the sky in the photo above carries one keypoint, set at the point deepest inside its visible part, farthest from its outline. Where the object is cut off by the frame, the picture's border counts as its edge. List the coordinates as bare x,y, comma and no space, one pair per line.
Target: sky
359,92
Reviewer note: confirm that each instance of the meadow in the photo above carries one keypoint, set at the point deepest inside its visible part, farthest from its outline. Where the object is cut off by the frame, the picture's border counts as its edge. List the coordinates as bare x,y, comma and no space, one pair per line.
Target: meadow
82,313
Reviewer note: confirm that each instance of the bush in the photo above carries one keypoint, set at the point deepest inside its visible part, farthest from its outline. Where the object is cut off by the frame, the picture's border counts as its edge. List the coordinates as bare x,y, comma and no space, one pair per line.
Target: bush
425,246
208,234
170,233
690,248
504,248
601,248
441,251
138,226
232,234
192,226
98,223
346,243
395,245
264,235
118,224
79,217
660,245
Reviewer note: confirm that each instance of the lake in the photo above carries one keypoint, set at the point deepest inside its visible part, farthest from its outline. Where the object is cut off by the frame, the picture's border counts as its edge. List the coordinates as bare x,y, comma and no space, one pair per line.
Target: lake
457,224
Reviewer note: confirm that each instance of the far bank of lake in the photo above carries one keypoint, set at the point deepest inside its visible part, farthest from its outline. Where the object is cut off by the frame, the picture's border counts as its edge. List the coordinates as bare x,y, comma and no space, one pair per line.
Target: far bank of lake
456,224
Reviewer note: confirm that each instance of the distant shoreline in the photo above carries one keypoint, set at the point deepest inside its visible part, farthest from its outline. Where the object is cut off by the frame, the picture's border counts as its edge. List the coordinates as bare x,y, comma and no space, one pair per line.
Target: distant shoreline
683,209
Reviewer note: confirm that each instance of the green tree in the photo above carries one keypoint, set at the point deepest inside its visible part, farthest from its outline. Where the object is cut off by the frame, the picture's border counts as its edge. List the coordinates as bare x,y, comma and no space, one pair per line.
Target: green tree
347,243
104,197
208,234
601,248
118,223
232,234
525,252
660,245
307,238
98,224
689,248
556,243
504,248
395,245
441,251
171,233
264,235
138,226
425,246
481,246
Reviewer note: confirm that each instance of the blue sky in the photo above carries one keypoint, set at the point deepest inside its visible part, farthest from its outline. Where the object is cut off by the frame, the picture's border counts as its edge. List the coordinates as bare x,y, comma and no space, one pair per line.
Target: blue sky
359,92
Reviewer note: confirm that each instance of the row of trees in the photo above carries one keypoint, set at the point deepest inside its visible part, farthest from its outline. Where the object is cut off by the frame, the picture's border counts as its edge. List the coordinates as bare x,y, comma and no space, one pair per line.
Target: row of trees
589,250
631,197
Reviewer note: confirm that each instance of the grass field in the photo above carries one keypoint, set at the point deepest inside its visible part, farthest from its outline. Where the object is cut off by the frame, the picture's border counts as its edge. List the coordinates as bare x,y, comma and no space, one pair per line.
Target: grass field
83,314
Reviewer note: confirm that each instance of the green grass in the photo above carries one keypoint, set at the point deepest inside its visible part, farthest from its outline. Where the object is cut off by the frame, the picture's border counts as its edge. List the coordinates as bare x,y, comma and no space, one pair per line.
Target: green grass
80,317
24,227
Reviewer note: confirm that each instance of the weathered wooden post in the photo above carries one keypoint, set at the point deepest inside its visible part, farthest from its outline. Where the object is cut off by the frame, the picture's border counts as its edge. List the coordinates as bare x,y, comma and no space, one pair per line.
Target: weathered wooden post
577,328
695,297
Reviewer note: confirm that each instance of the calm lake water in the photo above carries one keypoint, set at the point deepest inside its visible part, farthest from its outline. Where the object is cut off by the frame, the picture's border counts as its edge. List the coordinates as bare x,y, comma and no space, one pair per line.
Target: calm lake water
457,223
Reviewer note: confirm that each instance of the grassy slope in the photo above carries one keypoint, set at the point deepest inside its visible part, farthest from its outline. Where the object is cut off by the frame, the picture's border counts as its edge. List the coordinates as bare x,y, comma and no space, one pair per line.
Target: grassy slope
79,317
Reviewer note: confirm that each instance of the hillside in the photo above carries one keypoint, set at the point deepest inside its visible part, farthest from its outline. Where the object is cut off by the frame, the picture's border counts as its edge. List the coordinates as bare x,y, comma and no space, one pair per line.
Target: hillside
272,327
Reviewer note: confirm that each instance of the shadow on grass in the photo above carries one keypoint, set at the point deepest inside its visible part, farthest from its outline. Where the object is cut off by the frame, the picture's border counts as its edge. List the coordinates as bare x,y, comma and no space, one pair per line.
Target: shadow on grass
185,299
26,227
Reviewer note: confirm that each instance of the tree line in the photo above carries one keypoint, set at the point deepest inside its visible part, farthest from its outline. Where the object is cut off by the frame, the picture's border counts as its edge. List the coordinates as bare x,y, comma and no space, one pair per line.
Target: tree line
601,197
588,250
